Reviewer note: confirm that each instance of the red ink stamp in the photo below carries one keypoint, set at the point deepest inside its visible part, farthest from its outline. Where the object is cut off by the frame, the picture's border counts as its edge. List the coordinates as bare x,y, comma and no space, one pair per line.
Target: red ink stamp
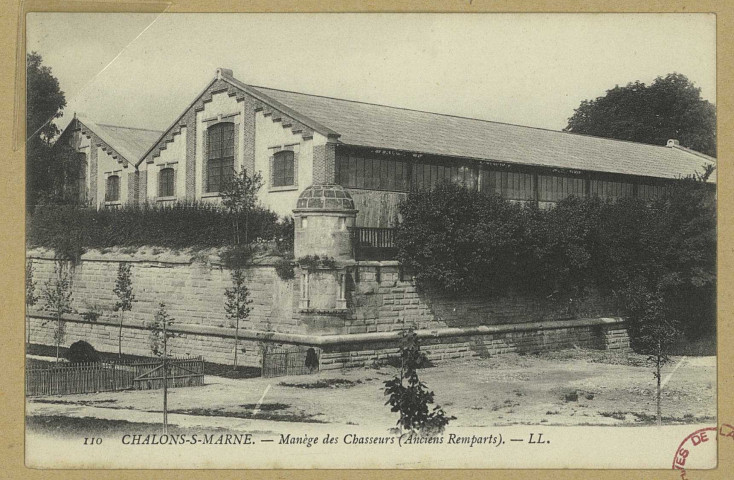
699,449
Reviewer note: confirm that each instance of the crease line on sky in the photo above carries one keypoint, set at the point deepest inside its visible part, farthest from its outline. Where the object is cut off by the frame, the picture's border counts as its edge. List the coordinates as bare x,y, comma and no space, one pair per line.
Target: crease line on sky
86,85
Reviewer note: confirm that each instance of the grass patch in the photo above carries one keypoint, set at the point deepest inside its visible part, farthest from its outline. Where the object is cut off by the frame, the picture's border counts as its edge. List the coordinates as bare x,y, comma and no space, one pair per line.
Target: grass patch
609,357
266,412
505,404
614,415
265,407
646,418
325,383
73,427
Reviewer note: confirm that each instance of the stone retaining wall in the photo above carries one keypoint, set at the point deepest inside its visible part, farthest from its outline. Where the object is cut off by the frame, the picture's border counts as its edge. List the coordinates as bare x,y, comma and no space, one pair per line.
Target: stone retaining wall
380,302
585,334
136,341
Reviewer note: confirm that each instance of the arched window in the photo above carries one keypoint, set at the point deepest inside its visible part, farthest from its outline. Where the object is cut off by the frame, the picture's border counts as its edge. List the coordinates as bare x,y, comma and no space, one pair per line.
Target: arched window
283,169
220,156
166,185
112,193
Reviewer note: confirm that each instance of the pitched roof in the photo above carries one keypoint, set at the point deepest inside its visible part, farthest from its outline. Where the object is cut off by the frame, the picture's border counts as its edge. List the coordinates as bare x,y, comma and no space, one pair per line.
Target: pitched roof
380,126
129,142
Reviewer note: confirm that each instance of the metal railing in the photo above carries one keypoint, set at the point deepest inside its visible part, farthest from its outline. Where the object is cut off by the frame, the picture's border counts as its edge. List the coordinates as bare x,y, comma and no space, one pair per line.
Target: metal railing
295,360
369,243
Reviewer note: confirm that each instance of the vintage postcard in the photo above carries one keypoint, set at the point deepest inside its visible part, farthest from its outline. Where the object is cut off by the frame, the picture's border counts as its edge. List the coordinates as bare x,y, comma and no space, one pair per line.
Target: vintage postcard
360,241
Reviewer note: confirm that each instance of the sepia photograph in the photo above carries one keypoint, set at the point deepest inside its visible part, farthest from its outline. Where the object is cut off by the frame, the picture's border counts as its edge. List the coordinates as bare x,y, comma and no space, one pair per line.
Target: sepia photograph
371,241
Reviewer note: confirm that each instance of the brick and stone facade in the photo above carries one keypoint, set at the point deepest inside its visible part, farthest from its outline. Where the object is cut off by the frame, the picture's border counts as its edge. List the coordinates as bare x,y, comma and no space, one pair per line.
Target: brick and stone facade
262,128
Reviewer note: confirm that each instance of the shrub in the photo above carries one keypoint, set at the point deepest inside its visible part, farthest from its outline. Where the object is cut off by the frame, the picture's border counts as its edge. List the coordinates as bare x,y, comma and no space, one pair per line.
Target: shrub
284,269
410,397
63,228
639,252
311,263
461,241
82,352
71,229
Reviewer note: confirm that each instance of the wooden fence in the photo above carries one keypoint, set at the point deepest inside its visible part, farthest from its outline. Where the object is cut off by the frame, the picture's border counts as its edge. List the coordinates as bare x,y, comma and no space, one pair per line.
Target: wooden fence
73,378
182,372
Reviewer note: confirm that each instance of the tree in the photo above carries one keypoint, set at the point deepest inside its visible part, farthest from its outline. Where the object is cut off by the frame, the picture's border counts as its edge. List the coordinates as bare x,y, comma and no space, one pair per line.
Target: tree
237,306
125,298
57,297
670,108
159,336
656,334
44,103
661,263
410,397
239,195
30,297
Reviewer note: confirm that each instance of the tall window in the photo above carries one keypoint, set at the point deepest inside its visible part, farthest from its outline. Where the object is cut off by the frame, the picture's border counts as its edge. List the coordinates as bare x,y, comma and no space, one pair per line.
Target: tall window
510,185
283,169
372,172
554,188
112,193
220,156
165,183
610,190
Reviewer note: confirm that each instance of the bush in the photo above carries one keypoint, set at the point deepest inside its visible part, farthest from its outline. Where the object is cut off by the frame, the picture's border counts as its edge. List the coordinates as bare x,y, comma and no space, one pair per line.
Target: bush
284,269
71,229
641,253
312,263
463,242
410,397
82,352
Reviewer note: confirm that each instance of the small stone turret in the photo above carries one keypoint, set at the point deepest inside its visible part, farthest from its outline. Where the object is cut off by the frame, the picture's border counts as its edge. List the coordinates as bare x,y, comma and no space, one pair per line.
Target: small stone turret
323,216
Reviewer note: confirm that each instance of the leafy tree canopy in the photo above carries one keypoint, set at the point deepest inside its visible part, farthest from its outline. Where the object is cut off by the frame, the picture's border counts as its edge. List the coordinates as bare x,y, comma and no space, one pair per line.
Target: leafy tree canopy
45,100
671,107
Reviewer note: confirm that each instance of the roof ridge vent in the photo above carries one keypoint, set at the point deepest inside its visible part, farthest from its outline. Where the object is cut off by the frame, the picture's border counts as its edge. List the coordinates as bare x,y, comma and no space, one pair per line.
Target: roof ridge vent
672,142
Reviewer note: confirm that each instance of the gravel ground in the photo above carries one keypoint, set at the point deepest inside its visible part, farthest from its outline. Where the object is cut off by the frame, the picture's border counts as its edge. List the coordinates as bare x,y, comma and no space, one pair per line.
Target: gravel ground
570,387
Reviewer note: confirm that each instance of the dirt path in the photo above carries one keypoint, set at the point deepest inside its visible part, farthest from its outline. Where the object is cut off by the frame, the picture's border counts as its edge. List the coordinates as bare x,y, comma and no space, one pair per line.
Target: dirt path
575,387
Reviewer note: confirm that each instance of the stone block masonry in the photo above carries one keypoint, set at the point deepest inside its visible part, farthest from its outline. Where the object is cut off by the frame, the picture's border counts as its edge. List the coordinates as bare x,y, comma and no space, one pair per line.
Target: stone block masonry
136,341
193,292
380,303
482,342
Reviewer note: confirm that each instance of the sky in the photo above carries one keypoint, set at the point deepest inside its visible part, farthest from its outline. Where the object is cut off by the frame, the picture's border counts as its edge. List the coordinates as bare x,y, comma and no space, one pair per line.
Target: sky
143,70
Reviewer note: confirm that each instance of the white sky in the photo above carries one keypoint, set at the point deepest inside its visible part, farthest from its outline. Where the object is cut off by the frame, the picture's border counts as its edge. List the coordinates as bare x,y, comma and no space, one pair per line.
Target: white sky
142,70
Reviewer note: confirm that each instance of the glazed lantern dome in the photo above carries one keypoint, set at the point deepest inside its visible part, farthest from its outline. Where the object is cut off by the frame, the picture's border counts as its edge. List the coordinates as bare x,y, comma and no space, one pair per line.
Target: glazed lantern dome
325,197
